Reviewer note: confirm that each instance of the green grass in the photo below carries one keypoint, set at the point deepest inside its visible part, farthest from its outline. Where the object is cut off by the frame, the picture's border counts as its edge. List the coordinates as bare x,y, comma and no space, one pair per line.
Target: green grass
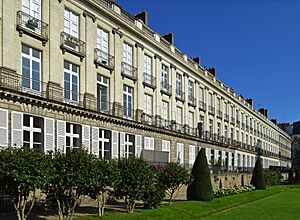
277,202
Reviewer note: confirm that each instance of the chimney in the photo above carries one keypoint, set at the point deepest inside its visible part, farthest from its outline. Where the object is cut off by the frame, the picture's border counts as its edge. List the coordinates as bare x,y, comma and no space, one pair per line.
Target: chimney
262,111
250,101
266,113
143,16
169,37
212,70
274,120
197,60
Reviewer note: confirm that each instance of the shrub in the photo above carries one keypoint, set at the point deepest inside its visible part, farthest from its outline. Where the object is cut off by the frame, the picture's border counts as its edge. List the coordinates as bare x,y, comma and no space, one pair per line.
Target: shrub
272,177
200,188
232,191
297,165
258,179
173,178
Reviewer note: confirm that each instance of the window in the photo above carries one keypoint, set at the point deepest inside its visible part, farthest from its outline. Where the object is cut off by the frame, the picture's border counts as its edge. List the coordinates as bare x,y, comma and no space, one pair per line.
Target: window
165,77
148,107
231,133
128,59
192,153
178,85
191,119
128,101
191,91
201,94
103,93
225,131
237,115
32,7
211,126
210,99
73,132
149,143
104,144
166,147
218,104
165,110
32,131
178,115
71,23
102,45
129,145
148,69
31,69
71,82
180,153
219,129
201,126
237,136
226,108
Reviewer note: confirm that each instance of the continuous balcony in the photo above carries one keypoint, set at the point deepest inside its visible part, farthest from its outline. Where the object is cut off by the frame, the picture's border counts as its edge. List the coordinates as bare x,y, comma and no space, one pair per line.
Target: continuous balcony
129,71
32,26
211,110
149,81
192,101
148,119
72,45
166,88
202,106
180,95
104,59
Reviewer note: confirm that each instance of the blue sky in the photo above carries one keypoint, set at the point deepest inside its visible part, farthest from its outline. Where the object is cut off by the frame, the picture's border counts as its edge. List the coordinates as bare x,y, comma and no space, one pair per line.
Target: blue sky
254,44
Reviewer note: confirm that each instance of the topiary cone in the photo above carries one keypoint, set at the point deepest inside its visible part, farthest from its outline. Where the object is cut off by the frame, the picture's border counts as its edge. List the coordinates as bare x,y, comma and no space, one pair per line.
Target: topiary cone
258,179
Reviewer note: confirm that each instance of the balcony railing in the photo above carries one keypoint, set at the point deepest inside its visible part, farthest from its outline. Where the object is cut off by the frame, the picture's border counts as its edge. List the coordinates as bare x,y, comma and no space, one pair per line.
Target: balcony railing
32,26
163,123
128,113
232,120
211,110
148,119
226,117
202,106
104,59
166,88
238,122
219,114
180,95
129,71
192,101
72,44
149,81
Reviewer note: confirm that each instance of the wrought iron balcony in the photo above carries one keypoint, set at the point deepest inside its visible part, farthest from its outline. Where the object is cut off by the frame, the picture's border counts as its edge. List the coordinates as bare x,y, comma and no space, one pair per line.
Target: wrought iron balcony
147,119
180,95
32,26
226,117
72,44
192,101
129,71
219,114
128,113
166,88
177,127
104,59
149,81
211,110
163,123
202,106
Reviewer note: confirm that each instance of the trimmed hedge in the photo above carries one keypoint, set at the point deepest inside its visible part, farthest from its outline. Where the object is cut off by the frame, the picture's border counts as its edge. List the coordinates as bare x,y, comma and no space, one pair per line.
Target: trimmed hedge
258,179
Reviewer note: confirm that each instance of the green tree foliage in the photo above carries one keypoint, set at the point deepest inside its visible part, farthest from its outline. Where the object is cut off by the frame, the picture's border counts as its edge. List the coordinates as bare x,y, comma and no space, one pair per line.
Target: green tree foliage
173,178
297,164
103,179
272,177
258,179
135,175
70,178
22,172
200,188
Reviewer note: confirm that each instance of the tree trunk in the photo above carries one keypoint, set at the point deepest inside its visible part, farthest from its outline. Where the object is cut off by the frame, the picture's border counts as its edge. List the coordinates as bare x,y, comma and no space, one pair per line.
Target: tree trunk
101,200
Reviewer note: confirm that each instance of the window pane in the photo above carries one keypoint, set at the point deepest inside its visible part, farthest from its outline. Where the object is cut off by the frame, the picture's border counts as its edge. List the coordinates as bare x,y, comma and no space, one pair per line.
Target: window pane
25,49
26,136
36,53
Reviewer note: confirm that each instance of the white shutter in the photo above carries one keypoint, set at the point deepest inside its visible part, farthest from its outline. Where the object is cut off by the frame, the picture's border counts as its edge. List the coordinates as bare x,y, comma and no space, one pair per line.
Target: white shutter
151,143
17,129
86,138
49,135
138,145
166,147
191,154
208,152
95,141
61,136
122,144
3,128
180,153
115,145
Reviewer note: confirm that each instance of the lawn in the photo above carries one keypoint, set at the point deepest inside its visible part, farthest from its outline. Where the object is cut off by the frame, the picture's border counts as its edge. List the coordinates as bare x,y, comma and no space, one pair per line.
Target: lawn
277,202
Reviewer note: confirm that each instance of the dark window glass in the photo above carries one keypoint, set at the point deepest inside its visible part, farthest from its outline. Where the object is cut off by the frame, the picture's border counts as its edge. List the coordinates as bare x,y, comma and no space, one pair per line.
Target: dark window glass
25,49
68,127
68,141
37,122
76,142
26,120
26,145
26,136
76,129
37,137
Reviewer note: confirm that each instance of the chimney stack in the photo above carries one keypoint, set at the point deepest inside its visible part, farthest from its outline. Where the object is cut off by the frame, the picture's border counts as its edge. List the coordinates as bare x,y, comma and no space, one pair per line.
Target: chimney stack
197,60
169,37
264,112
212,70
274,120
143,16
250,101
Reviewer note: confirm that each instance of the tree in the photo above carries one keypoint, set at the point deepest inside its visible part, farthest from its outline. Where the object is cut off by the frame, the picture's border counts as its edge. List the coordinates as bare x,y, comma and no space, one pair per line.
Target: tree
105,176
70,178
173,178
297,164
22,172
200,188
258,179
135,175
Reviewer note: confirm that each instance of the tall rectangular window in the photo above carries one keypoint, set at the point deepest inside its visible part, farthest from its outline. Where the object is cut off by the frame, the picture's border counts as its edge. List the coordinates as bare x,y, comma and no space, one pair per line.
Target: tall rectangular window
191,91
32,131
191,119
211,128
102,93
225,131
218,104
31,69
192,154
71,82
71,24
219,129
180,153
201,126
128,101
165,77
210,99
149,143
32,8
148,69
178,85
73,139
179,115
104,144
201,94
148,107
166,147
165,110
102,45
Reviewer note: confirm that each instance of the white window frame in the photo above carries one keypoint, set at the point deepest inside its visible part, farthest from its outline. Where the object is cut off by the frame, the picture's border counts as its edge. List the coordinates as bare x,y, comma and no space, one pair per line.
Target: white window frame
32,8
71,23
76,74
103,45
178,84
31,131
190,90
166,147
128,54
192,154
102,140
179,115
149,143
148,68
180,153
165,76
128,92
71,135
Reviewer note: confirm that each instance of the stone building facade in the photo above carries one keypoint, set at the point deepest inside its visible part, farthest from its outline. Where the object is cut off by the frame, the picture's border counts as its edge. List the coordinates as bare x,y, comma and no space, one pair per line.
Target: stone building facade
89,74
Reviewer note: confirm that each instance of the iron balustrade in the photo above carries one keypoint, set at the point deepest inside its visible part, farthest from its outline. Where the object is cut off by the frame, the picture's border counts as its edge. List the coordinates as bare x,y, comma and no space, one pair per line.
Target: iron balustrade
72,44
147,119
180,95
177,127
219,114
163,123
166,88
104,59
211,110
32,25
149,80
202,105
129,71
192,101
107,3
128,113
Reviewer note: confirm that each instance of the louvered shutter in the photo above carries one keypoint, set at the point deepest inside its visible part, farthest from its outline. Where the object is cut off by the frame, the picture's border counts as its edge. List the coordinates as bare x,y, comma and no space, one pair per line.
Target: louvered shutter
86,138
3,128
208,152
191,154
151,143
95,141
138,146
115,145
61,136
122,144
17,129
49,135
